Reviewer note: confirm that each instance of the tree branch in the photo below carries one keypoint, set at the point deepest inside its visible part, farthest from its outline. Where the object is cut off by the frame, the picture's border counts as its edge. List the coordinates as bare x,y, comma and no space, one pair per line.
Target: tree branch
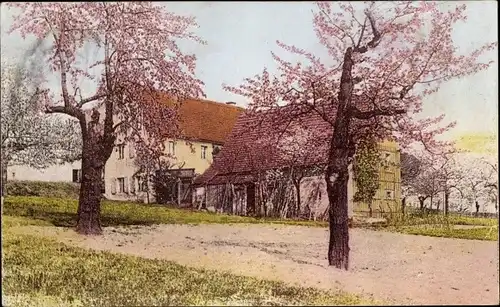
356,113
118,125
74,112
90,99
362,33
376,34
375,39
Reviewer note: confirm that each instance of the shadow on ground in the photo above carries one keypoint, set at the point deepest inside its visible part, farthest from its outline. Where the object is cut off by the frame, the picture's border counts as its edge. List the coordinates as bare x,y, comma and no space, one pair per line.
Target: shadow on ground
65,219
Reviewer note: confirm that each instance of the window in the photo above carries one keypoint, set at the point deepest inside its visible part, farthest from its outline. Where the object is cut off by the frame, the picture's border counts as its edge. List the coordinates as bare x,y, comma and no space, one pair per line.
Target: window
171,148
203,152
142,185
138,182
216,150
389,194
121,185
387,157
132,186
113,186
121,151
77,175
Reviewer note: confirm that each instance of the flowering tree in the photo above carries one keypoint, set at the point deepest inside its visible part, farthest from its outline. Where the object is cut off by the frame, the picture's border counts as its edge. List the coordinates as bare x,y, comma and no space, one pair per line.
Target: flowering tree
383,59
138,59
425,185
492,184
29,137
450,175
476,183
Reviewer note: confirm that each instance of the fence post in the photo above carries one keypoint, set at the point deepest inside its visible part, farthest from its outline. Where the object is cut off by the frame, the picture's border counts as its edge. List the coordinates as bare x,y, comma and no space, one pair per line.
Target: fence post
179,192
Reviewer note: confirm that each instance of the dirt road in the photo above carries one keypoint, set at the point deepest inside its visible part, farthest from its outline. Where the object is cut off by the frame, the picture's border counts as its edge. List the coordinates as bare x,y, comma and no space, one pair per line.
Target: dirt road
402,269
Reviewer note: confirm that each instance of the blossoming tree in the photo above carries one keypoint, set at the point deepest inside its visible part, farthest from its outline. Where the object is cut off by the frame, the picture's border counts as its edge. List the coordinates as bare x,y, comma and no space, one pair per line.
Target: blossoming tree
30,137
384,58
138,58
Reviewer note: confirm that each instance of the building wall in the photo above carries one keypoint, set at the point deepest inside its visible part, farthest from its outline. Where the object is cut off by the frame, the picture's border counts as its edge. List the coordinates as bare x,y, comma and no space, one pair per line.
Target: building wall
388,196
313,192
312,189
54,173
390,183
187,155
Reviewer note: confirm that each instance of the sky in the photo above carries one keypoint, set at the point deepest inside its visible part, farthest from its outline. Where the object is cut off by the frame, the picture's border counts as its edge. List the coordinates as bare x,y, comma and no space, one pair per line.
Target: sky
240,36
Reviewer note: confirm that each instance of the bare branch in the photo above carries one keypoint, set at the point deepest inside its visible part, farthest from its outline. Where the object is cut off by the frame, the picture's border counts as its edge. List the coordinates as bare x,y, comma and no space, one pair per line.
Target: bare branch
90,99
375,39
356,113
376,34
362,33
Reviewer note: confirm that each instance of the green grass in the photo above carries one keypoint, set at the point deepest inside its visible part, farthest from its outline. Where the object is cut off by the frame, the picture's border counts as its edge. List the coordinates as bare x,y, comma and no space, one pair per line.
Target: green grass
42,189
40,271
484,233
440,219
62,212
439,225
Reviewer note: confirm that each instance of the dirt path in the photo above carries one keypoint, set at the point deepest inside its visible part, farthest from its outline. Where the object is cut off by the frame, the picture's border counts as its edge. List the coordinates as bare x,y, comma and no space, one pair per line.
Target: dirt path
399,268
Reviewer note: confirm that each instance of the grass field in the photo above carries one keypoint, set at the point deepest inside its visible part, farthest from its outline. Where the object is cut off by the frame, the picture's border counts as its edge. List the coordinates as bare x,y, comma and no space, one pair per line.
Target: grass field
42,272
62,212
42,188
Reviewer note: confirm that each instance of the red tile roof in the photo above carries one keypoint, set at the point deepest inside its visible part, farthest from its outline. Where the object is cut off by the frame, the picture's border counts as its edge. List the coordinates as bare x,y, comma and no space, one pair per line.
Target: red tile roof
252,145
210,121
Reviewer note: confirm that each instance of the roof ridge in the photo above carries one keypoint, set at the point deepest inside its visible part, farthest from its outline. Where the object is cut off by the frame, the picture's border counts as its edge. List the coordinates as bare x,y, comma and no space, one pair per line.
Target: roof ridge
215,102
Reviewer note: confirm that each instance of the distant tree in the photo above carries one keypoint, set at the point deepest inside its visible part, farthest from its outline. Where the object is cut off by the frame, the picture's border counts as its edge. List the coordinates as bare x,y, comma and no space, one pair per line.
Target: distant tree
491,182
450,177
366,172
140,66
411,167
430,182
28,136
476,184
384,59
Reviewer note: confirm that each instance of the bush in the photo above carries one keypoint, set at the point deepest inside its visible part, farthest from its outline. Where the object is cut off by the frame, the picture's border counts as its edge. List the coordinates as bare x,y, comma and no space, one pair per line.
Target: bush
42,189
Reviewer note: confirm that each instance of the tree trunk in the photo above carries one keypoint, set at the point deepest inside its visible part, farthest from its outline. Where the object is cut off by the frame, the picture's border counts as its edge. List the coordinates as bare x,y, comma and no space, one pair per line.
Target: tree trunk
403,207
3,180
338,248
96,150
297,206
89,205
421,201
446,202
370,209
337,172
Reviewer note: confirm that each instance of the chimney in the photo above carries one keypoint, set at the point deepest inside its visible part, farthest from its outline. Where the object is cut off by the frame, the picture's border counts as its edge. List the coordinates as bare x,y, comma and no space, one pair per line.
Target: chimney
231,103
